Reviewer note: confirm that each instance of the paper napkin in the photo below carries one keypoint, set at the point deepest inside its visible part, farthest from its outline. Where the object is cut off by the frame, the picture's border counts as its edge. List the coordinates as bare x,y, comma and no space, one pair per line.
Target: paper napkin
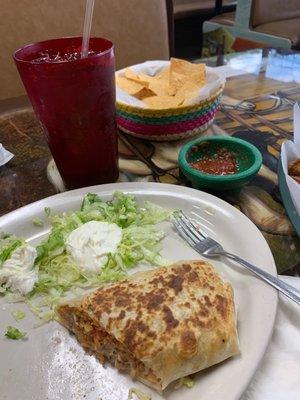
5,155
289,152
278,377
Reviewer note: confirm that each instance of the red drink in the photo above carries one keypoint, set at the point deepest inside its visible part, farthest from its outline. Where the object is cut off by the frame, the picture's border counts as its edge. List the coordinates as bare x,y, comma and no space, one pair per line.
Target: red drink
74,99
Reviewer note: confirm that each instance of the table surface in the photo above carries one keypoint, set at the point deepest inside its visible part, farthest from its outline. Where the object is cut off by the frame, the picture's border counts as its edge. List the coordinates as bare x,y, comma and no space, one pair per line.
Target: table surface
257,106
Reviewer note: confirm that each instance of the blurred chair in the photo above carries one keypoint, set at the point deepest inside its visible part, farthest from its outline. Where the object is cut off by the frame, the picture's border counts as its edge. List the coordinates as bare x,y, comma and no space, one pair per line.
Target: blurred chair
188,8
273,22
140,29
189,16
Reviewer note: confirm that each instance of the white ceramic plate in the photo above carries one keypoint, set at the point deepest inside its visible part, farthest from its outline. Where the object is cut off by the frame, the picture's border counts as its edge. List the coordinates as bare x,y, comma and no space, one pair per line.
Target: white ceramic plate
51,365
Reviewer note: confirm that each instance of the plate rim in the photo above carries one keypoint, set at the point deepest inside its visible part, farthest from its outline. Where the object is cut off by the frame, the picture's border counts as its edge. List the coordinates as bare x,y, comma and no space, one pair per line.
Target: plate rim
154,187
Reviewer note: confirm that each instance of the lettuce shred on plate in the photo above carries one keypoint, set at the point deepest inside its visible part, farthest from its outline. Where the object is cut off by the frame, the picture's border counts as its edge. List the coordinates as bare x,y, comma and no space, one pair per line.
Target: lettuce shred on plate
18,315
59,274
14,333
186,381
37,222
138,394
8,244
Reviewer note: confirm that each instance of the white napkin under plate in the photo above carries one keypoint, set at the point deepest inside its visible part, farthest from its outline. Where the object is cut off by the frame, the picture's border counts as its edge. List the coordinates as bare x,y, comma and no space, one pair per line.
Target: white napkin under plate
278,377
5,155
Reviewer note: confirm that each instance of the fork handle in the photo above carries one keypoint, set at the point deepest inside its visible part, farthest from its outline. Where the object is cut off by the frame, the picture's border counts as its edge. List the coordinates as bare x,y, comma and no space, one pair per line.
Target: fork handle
283,287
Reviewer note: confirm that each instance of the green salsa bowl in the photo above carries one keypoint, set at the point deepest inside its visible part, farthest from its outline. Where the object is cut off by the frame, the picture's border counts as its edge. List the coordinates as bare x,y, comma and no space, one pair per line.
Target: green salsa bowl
248,161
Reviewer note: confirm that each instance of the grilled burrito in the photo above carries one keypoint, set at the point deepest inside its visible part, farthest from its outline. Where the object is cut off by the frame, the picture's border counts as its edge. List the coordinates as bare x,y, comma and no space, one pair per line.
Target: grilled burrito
158,325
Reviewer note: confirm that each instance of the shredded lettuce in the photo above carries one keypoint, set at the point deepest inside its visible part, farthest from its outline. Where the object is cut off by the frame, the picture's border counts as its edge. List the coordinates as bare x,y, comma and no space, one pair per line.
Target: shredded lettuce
122,210
140,395
18,315
186,381
47,211
37,222
58,272
14,333
8,244
3,290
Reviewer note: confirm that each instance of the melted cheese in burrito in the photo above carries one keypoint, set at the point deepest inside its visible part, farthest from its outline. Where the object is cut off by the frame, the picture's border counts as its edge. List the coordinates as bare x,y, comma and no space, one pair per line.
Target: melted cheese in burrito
158,325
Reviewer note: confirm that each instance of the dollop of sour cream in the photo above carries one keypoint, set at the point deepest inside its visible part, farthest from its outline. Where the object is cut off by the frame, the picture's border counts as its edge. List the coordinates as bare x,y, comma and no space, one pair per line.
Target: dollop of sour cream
18,272
90,244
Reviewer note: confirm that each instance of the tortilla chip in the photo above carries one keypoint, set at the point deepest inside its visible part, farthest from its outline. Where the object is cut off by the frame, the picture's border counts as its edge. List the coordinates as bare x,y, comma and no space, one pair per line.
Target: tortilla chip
144,93
128,85
129,74
163,102
158,86
172,87
189,91
144,77
182,71
176,81
163,74
188,69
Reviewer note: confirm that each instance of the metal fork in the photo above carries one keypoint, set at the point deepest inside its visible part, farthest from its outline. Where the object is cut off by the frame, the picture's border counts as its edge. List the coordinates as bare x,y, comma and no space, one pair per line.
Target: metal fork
208,247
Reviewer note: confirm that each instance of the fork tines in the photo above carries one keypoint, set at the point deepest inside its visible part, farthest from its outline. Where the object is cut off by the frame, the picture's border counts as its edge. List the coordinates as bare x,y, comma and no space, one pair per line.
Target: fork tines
188,229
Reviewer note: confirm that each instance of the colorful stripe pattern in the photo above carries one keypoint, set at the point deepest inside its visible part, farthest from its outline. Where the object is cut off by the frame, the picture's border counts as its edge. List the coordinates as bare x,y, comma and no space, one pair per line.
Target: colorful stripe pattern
168,124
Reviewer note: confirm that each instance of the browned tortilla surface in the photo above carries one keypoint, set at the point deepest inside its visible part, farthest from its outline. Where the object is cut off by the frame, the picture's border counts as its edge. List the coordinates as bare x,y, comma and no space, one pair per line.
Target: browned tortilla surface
158,325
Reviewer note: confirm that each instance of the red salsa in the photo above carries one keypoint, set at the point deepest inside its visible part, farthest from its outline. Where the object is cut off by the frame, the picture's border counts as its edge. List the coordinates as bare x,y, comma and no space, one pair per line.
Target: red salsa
222,162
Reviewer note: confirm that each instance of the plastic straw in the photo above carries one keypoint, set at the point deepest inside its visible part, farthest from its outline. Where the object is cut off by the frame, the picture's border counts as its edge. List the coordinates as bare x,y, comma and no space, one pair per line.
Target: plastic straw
89,9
